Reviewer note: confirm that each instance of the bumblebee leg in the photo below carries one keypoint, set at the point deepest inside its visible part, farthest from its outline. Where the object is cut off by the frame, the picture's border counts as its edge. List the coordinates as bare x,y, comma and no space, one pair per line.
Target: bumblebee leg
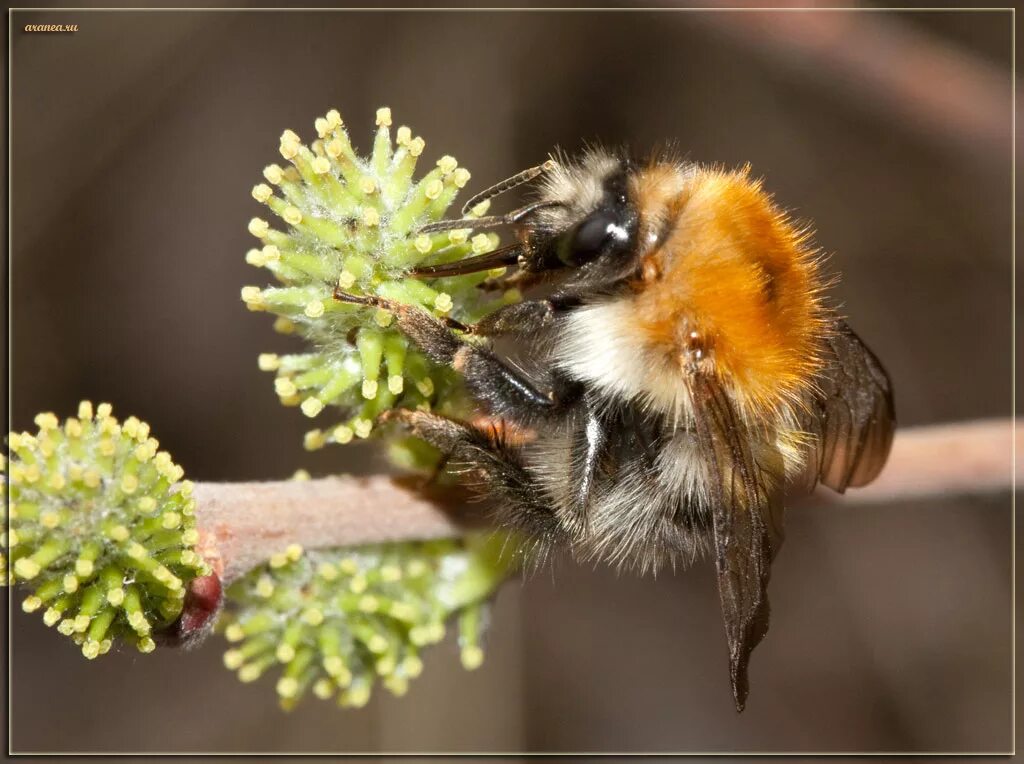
588,447
507,391
523,318
517,501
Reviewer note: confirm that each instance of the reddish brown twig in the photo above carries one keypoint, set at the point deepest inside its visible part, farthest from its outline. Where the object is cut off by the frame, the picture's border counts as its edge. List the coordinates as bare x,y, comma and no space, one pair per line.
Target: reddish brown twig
243,524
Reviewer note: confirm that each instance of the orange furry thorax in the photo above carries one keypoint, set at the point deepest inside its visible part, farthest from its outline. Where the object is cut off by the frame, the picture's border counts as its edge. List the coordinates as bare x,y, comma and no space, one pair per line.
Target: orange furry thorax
726,263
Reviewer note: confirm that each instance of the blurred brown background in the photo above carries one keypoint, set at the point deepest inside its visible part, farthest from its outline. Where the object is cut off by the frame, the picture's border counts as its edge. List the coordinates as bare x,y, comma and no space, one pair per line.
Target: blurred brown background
135,143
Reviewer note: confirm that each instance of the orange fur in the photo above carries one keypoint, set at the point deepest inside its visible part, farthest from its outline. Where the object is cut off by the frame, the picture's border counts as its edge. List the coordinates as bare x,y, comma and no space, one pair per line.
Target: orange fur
731,267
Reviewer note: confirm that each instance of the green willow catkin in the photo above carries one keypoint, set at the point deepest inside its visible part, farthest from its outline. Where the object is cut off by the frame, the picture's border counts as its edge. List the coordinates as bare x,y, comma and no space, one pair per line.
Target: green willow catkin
352,223
335,621
101,528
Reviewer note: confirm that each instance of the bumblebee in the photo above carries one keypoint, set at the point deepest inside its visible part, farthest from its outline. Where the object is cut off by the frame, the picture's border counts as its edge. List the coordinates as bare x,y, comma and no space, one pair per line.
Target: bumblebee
686,371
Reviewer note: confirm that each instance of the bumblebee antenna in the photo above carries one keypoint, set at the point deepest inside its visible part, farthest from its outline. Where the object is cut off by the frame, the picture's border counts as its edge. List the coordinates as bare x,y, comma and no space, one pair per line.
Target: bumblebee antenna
491,221
508,184
499,258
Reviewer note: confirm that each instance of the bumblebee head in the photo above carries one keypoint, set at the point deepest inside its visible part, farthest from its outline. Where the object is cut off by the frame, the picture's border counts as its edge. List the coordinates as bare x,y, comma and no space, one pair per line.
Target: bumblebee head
583,222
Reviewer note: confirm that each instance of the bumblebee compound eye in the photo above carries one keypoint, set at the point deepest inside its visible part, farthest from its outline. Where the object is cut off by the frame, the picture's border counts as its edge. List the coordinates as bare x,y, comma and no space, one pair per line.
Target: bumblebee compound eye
610,230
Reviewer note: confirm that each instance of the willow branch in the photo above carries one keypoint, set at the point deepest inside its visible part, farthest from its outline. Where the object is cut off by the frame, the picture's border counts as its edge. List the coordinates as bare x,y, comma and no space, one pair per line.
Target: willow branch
243,524
961,459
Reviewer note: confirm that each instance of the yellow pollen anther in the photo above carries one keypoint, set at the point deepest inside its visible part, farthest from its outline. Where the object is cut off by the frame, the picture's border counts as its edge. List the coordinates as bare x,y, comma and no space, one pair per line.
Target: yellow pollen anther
259,227
314,308
289,149
481,243
416,146
262,192
333,149
434,189
73,428
472,657
268,361
384,117
422,244
284,653
265,586
84,568
369,389
346,279
233,659
367,184
31,604
292,215
313,616
396,383
279,560
120,533
321,165
312,406
294,551
313,440
115,596
234,633
274,174
447,164
271,254
443,302
70,584
49,519
46,421
370,217
382,318
363,427
284,386
85,410
334,119
129,483
287,687
322,126
461,177
343,434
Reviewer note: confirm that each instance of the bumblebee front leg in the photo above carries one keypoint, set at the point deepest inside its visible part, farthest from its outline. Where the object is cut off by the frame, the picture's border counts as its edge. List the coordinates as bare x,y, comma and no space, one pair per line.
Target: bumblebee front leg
523,318
507,391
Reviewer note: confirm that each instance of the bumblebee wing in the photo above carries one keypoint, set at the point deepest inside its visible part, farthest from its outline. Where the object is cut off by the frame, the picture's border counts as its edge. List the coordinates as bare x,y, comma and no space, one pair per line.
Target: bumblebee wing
746,509
852,415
